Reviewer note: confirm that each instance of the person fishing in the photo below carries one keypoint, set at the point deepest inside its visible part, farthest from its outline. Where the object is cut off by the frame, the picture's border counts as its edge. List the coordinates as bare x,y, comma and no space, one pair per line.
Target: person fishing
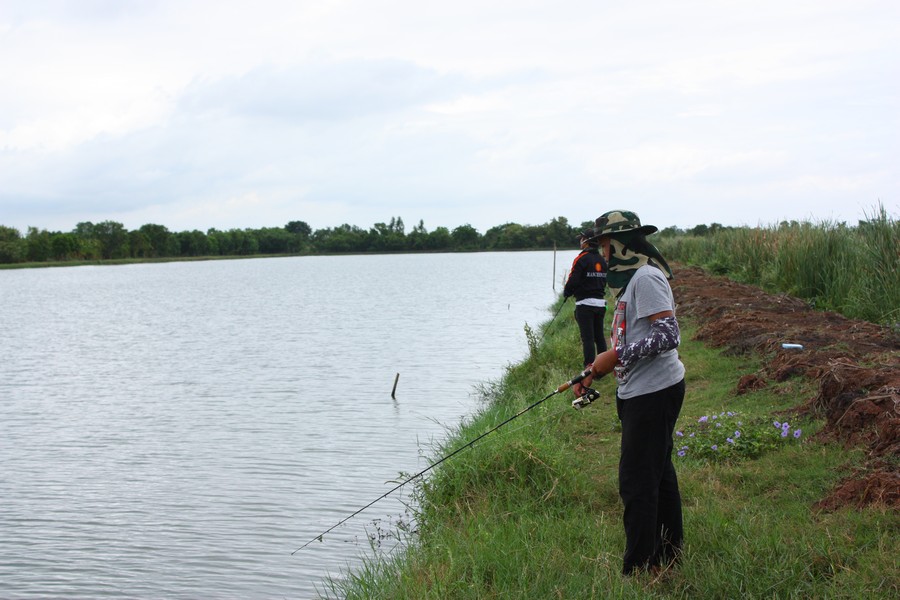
650,389
587,282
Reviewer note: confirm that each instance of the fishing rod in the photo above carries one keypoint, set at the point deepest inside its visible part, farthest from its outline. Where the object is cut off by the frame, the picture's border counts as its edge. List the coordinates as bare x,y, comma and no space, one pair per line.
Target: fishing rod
589,397
547,328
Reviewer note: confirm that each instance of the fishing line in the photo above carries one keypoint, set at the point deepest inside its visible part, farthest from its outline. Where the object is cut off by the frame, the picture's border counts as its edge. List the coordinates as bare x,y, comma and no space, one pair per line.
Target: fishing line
504,434
508,432
550,324
560,389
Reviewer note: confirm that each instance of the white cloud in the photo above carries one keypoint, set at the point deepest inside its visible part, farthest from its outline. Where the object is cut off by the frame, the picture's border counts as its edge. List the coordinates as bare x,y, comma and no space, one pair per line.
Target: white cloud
188,112
332,90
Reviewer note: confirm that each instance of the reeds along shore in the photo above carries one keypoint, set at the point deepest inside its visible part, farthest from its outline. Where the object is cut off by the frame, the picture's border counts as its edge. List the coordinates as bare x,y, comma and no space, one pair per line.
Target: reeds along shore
851,270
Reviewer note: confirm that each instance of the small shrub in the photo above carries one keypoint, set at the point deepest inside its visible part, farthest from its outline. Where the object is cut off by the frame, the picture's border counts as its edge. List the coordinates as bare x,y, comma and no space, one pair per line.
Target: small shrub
532,339
728,436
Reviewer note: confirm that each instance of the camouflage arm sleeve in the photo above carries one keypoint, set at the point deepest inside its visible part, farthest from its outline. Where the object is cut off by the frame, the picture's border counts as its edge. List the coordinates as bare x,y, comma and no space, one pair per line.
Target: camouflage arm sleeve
664,335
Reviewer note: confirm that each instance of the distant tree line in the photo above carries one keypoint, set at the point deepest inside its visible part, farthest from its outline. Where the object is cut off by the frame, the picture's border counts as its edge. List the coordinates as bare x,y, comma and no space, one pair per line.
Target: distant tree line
110,240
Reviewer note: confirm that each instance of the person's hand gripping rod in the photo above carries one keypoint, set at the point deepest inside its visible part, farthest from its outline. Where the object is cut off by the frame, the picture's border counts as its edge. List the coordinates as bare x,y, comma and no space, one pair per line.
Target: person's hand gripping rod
588,394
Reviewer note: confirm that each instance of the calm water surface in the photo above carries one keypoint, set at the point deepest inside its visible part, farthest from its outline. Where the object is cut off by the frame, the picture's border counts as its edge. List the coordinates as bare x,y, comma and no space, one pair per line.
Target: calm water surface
178,430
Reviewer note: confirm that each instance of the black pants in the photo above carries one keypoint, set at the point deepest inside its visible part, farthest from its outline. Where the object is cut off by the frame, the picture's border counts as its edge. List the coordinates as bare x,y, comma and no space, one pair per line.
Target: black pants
590,326
647,482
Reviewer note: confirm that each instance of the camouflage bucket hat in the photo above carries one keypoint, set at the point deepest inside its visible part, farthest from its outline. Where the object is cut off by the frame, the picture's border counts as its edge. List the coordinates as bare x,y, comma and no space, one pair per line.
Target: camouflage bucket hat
620,221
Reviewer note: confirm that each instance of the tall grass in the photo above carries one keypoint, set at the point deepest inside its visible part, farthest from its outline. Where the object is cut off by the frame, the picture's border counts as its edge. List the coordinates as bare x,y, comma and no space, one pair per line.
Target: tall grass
533,510
851,270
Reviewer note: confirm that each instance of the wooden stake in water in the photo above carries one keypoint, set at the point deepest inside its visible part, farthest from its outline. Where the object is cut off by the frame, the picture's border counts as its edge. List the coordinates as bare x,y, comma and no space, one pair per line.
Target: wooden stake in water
394,391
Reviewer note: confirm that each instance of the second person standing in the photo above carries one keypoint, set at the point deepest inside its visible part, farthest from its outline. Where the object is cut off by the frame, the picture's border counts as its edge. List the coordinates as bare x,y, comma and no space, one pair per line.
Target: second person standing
587,282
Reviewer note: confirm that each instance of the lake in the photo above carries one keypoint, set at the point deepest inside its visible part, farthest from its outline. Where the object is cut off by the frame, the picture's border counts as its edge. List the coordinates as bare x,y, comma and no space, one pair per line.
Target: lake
179,429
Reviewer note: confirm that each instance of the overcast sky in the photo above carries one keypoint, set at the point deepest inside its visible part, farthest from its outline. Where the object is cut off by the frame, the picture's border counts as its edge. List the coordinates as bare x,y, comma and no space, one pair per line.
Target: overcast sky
199,114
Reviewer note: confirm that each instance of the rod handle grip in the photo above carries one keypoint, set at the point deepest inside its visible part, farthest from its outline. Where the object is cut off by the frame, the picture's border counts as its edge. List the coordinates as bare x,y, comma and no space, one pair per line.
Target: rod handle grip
577,379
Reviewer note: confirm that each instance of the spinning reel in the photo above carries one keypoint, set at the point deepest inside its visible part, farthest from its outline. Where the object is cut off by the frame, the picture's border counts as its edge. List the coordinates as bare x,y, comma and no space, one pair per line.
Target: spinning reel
590,394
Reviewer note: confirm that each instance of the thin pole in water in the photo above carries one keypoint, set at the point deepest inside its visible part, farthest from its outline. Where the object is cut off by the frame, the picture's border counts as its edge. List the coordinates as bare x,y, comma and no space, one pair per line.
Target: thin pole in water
554,265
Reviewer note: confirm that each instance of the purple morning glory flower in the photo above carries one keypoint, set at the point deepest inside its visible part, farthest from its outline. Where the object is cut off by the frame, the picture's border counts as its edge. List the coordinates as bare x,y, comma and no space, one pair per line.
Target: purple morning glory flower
715,447
796,433
785,426
718,424
692,435
679,434
681,453
729,440
715,417
776,424
784,432
703,419
737,434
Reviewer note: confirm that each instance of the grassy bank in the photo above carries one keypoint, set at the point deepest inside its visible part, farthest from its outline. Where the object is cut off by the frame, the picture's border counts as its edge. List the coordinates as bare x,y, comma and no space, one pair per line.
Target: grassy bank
533,511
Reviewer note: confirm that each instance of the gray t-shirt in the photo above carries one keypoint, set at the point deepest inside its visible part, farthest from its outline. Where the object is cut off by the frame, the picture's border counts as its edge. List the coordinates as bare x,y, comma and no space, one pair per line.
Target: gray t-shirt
648,293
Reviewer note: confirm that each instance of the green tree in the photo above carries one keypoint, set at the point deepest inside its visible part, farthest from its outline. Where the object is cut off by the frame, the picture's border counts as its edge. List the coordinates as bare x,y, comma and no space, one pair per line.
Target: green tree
12,246
64,246
699,230
439,239
396,225
671,231
466,237
38,244
85,230
212,244
113,239
139,244
509,236
300,228
160,239
243,242
300,232
346,238
559,232
89,247
221,241
417,238
275,240
193,243
388,237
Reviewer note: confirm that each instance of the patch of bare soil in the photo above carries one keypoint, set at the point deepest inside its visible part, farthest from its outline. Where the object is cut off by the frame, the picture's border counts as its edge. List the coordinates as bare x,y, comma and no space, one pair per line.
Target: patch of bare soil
856,363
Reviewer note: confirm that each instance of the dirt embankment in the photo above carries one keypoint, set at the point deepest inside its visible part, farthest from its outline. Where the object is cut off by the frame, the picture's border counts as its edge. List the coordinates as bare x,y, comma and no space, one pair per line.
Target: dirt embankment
856,365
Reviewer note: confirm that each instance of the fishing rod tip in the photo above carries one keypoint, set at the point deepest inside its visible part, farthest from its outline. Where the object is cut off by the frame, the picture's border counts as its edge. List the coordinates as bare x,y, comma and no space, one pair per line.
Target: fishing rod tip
318,538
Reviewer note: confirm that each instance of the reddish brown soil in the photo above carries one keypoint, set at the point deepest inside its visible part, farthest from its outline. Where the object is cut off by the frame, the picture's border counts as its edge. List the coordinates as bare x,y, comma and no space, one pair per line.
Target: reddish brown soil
856,365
